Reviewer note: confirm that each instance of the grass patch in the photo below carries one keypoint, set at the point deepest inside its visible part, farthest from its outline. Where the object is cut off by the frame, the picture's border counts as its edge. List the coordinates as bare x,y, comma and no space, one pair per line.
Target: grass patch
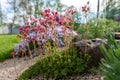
7,45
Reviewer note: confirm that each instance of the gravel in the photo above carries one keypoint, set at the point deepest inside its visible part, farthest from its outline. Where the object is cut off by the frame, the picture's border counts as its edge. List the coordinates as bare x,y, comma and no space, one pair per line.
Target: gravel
12,68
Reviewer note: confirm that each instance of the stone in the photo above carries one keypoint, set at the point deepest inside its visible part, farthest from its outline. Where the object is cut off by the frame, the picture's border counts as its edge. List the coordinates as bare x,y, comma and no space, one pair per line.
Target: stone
117,35
92,47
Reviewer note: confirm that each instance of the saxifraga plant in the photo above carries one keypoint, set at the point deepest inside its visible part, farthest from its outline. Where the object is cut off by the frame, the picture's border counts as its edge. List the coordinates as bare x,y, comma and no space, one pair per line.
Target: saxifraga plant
110,65
51,29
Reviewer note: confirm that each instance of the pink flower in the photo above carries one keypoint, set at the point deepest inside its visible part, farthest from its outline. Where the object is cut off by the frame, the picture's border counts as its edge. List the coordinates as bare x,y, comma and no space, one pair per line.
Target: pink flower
47,10
34,39
13,53
27,24
68,10
40,21
34,28
71,10
56,13
47,15
32,18
74,11
42,13
85,8
27,41
40,29
21,29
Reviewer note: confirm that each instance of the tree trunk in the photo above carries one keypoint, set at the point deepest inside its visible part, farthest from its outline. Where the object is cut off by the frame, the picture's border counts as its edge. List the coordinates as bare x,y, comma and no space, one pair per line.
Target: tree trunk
98,7
0,14
13,21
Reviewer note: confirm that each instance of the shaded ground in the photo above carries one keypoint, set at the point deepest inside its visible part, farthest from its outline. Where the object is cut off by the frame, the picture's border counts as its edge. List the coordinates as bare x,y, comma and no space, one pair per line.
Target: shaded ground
76,77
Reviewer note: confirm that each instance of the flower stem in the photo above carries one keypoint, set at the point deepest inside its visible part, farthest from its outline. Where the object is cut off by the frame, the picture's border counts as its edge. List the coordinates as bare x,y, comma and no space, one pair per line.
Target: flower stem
15,66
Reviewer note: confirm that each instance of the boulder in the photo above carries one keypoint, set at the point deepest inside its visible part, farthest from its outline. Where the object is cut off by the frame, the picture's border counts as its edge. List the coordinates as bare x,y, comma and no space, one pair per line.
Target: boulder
92,47
117,35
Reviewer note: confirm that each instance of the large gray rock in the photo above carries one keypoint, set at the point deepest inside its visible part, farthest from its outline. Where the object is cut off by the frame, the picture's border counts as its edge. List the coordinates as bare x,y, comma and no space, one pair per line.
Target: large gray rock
92,47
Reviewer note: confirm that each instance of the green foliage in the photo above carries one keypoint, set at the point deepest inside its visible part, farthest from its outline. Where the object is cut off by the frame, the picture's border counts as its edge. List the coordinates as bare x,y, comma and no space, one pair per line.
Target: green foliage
58,65
76,26
7,44
97,27
56,5
110,66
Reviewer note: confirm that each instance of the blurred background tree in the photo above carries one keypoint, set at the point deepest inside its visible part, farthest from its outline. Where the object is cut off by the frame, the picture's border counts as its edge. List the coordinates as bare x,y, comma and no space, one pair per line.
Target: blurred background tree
112,9
22,9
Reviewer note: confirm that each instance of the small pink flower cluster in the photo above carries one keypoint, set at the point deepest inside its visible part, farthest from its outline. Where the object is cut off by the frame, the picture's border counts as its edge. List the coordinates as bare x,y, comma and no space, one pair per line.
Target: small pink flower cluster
49,26
71,10
86,8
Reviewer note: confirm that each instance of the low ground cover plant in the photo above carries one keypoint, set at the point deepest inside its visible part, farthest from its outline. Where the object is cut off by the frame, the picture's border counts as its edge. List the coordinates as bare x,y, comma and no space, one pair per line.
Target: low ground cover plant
63,63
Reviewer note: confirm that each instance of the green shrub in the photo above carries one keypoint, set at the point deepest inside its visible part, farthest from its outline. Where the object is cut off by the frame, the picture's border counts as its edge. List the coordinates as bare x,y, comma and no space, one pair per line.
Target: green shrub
110,65
97,27
58,65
